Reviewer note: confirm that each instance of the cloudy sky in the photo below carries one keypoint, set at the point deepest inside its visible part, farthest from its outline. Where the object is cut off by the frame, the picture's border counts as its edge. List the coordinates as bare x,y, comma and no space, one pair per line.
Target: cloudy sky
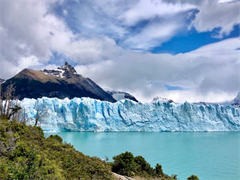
178,49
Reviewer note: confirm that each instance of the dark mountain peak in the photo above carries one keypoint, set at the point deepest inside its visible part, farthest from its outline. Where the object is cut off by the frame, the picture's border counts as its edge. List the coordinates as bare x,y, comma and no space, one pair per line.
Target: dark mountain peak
236,100
34,75
65,71
27,72
61,82
67,68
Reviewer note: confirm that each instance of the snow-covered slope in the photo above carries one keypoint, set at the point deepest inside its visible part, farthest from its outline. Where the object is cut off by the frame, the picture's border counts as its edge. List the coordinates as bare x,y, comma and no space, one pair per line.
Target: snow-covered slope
120,95
236,100
85,114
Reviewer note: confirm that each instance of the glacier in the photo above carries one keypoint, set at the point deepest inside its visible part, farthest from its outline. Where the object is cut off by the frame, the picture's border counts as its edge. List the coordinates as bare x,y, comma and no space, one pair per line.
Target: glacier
86,114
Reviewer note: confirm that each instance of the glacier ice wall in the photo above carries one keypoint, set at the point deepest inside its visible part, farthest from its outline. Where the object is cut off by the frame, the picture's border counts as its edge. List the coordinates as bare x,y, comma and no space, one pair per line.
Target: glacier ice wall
85,114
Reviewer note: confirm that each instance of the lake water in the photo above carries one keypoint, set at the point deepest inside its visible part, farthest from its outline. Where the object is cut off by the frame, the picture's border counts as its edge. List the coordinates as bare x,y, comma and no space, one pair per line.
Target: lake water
211,156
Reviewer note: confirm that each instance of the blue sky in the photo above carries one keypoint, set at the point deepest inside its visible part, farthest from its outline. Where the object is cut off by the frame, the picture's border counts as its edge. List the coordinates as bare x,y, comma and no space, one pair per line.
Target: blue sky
178,49
185,39
192,39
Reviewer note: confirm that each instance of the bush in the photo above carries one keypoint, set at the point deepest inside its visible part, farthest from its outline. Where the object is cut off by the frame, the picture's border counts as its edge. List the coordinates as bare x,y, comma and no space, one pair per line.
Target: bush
128,165
158,170
193,177
143,166
124,164
55,138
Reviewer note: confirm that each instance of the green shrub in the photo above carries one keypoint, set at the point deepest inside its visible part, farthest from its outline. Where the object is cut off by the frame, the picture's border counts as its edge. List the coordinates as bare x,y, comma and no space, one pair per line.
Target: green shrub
128,165
193,177
124,164
56,138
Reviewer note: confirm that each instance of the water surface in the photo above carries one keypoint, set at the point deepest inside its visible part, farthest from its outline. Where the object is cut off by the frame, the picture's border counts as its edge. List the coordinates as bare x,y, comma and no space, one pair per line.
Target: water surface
211,156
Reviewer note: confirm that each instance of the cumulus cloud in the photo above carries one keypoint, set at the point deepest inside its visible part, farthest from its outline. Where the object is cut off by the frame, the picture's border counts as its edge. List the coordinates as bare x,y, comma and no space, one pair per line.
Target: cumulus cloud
153,34
141,24
144,10
123,20
99,36
209,73
28,29
95,18
227,1
217,14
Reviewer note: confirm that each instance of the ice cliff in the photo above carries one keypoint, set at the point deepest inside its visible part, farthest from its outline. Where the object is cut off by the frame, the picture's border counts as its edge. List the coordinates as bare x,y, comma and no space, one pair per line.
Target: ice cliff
85,114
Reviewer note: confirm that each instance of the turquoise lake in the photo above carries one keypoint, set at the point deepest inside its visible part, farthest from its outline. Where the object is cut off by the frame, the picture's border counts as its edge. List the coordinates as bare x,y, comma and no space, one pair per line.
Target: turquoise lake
211,156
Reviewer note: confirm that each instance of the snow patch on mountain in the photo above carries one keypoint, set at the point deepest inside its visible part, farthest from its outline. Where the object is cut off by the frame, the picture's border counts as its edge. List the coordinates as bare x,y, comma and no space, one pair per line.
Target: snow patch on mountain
161,99
236,100
64,71
120,95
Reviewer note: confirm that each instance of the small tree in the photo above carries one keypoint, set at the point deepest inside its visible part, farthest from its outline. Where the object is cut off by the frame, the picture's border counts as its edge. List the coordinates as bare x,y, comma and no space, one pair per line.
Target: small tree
8,105
8,98
14,111
1,101
23,119
41,113
158,170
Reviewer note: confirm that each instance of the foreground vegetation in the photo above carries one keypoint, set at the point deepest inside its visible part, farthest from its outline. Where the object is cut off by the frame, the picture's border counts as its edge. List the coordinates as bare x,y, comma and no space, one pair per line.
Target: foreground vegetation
26,154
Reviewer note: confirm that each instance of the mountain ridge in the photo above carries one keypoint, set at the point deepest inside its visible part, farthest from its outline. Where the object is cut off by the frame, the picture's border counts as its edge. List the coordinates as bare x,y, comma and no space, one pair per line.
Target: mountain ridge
30,83
119,95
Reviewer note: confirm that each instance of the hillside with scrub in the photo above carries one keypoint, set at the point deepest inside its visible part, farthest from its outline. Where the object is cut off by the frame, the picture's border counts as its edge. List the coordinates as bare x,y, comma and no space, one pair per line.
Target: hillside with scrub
26,154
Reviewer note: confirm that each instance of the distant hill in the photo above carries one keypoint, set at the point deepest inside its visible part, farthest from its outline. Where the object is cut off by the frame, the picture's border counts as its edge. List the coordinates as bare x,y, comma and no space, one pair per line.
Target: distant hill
61,82
236,100
119,95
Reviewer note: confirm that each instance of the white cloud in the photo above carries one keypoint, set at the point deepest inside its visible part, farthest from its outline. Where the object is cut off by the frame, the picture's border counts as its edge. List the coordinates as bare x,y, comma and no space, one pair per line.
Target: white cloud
26,28
119,20
29,61
29,29
152,35
206,74
213,14
227,1
148,9
97,18
165,18
29,32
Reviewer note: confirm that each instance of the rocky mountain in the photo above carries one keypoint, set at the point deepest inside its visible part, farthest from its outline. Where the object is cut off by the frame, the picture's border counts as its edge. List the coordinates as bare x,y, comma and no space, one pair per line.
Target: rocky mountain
61,83
161,99
119,95
236,100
